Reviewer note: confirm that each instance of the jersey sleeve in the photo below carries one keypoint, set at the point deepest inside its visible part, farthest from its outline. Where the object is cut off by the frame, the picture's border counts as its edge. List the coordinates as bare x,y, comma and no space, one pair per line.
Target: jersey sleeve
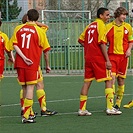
44,28
81,38
14,37
43,40
130,36
10,45
6,41
101,33
104,39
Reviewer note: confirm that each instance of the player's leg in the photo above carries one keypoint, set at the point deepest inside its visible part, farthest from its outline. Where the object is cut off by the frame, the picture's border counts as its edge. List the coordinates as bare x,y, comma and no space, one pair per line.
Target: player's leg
113,82
27,79
83,99
22,97
119,92
1,69
103,74
41,96
1,73
121,75
109,93
28,102
88,77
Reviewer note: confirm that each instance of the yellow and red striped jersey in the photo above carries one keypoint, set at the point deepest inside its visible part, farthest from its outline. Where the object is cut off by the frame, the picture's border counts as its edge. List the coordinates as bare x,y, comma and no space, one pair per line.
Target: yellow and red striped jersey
91,38
118,37
31,40
3,44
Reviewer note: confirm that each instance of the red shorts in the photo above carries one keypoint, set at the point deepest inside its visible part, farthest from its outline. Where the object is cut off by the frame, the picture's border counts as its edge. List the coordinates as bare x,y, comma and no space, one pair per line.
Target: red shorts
96,70
119,65
1,68
27,76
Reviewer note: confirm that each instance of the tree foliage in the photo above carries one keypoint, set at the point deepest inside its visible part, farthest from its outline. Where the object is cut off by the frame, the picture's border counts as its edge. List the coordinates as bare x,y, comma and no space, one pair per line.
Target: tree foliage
11,7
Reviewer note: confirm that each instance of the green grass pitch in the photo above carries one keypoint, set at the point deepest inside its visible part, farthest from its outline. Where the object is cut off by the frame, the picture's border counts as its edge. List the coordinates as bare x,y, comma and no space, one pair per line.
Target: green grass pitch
62,94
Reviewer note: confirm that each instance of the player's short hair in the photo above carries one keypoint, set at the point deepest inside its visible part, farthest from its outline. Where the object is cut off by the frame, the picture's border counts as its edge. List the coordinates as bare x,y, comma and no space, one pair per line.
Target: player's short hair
119,11
101,11
33,15
24,19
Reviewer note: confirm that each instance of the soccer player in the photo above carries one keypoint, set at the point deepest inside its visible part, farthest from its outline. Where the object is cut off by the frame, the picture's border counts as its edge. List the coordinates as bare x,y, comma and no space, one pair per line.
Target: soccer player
40,85
97,63
120,37
3,47
29,40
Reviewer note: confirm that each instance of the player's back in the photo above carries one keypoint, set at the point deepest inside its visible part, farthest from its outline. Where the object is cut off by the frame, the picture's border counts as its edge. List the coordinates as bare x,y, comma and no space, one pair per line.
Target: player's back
29,43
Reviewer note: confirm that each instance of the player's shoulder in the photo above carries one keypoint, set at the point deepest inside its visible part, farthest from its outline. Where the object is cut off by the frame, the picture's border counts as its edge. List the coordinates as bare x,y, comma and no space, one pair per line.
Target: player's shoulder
3,35
19,26
127,24
39,29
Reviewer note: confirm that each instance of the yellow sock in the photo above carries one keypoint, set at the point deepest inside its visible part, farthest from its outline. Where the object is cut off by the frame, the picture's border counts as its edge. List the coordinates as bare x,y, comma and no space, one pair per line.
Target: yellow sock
21,98
27,107
31,112
113,88
119,95
41,99
109,97
83,100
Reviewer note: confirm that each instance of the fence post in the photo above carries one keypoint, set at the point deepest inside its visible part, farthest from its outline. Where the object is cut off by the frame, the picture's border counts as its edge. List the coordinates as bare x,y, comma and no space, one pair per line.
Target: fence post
68,46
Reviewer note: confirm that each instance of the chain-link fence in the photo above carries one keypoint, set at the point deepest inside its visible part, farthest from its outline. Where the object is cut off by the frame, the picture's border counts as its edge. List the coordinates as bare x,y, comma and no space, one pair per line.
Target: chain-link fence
66,19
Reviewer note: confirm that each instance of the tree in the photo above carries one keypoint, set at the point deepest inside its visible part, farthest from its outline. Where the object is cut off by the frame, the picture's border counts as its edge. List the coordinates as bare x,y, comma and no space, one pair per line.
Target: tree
13,9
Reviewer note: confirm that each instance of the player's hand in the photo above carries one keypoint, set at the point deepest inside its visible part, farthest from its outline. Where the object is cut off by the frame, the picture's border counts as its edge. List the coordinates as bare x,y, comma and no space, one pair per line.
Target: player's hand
108,65
48,69
10,61
28,61
128,53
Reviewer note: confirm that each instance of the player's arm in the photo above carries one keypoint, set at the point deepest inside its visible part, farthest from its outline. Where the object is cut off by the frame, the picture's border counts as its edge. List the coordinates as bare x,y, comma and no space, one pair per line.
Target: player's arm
46,57
81,42
26,60
10,57
105,54
41,24
81,38
128,52
7,49
24,20
130,42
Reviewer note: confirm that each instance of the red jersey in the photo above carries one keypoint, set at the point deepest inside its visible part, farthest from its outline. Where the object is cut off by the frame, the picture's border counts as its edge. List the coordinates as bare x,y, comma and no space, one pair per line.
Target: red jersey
91,37
31,40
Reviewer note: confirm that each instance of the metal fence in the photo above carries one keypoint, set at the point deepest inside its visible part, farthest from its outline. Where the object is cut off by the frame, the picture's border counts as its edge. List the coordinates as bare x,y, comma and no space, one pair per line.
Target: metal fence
66,55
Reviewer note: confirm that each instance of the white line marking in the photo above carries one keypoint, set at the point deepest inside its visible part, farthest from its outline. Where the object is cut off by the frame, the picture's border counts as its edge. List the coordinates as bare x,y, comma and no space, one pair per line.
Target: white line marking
59,114
61,100
66,113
